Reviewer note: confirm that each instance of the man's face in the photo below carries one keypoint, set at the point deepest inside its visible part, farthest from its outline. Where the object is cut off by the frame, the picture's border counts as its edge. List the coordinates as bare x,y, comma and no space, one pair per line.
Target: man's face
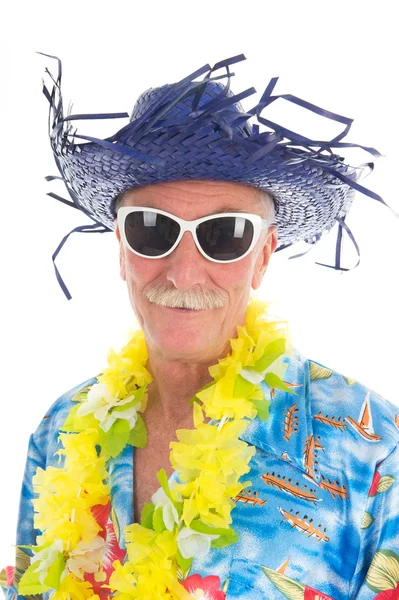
194,335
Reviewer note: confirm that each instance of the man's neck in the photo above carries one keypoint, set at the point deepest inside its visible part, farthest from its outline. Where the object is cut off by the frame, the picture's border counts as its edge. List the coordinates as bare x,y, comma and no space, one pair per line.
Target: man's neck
174,384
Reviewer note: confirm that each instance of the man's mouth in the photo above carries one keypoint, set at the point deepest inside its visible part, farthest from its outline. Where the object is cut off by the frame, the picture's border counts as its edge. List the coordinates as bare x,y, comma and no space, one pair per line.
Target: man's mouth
181,309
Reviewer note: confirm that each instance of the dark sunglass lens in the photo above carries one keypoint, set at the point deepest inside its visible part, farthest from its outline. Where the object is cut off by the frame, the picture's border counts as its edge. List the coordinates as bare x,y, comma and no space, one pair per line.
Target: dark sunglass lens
150,233
225,238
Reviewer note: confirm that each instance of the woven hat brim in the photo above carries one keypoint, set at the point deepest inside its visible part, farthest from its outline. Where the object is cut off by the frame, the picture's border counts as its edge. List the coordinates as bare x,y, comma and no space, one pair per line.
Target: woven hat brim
197,130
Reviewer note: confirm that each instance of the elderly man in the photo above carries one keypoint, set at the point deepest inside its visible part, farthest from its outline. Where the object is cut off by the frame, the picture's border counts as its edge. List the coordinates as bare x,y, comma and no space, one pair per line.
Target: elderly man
187,306
210,459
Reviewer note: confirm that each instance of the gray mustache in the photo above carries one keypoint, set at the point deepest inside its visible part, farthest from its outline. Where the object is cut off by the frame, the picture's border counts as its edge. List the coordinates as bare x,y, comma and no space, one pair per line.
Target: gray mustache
191,299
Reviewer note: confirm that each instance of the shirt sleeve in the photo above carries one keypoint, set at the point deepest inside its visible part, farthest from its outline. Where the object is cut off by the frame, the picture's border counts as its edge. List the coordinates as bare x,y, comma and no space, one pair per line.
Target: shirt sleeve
377,573
26,533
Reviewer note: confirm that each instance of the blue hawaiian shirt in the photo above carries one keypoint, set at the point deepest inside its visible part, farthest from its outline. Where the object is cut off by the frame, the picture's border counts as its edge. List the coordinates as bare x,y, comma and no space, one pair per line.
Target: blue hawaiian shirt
321,517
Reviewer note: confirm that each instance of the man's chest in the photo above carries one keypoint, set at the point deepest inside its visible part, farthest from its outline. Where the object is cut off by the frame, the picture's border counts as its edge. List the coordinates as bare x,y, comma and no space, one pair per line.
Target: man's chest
298,538
147,463
295,533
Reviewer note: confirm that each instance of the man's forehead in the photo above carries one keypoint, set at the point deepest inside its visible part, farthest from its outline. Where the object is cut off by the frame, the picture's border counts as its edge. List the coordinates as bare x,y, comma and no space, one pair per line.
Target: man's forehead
219,196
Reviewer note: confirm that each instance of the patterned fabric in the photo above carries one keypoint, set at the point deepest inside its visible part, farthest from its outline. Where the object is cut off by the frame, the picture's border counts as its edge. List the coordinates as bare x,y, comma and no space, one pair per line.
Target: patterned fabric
321,518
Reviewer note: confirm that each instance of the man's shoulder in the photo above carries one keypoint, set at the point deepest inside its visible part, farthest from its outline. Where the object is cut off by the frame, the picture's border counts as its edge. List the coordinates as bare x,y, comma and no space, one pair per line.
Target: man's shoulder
46,433
340,402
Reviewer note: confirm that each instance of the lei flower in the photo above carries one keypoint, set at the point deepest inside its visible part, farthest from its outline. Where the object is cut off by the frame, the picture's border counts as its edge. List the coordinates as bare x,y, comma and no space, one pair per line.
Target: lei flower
184,520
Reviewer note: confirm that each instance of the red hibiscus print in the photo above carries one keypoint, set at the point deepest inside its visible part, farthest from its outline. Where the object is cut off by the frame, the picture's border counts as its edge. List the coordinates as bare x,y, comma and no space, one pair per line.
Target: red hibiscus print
112,551
311,594
374,486
388,594
210,586
9,575
100,513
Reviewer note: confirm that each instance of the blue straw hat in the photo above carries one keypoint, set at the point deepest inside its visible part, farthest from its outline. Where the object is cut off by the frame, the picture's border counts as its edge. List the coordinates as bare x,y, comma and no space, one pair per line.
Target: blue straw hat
197,129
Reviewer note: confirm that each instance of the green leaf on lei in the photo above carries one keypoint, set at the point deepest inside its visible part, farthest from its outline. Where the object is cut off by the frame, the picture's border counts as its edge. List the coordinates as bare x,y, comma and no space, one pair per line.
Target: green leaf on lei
157,520
179,507
147,515
30,584
52,579
114,440
274,381
242,387
122,407
74,423
138,435
69,421
226,539
262,406
139,393
271,353
201,527
138,396
163,480
184,563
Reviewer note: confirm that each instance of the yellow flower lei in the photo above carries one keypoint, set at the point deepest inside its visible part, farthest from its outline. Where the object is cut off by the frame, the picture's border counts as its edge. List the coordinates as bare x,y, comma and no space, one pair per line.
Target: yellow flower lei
210,460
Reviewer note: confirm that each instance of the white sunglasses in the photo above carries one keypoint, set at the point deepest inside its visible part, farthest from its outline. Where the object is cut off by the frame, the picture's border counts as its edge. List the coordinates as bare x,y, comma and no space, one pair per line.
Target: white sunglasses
223,237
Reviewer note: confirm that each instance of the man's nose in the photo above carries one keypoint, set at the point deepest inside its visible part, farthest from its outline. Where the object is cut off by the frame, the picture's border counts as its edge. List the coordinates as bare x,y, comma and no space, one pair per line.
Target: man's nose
186,265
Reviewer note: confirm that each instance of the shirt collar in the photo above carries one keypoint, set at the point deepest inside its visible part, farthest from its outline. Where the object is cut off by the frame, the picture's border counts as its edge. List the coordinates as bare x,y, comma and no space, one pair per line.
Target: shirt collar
288,433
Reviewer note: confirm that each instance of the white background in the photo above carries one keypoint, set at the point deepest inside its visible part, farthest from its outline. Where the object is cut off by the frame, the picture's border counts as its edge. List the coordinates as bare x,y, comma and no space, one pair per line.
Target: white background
341,56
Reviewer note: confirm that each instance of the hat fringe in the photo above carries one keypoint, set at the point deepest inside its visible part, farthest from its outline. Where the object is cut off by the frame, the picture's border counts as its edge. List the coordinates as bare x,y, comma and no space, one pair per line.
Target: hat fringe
217,116
218,109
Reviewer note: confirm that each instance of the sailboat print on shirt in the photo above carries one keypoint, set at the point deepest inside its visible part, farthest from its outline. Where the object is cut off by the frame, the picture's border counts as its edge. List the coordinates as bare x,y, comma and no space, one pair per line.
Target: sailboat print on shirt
291,588
364,425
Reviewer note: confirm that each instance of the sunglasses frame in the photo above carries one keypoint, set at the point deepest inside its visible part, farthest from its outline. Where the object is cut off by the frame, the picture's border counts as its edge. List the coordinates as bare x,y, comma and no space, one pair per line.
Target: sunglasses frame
258,224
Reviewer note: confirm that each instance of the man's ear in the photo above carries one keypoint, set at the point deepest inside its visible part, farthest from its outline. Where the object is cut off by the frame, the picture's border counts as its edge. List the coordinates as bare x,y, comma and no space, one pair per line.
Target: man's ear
269,246
121,253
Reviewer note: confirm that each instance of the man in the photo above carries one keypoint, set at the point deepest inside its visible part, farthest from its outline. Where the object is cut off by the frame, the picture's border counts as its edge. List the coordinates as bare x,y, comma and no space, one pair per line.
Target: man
209,299
200,201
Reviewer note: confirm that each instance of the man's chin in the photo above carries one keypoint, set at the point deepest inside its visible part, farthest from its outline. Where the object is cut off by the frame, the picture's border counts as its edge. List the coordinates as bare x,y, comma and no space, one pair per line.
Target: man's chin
180,335
184,350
